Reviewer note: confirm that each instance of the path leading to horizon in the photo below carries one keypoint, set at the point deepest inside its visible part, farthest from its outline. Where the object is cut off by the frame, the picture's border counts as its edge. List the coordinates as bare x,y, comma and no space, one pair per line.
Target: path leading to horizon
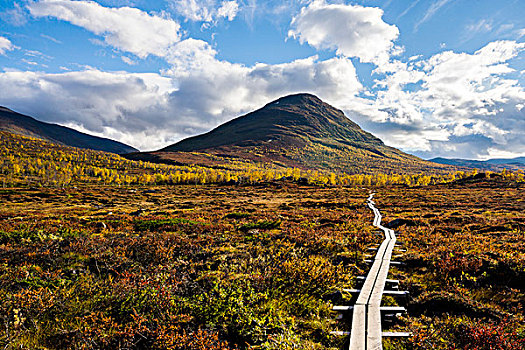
366,332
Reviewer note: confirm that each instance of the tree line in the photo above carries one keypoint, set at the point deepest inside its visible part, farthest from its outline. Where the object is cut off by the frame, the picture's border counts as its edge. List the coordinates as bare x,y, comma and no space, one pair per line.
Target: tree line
30,161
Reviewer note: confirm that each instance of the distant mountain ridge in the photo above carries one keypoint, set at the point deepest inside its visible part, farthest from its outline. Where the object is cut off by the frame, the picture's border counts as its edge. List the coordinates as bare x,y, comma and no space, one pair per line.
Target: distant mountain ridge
293,131
490,164
25,125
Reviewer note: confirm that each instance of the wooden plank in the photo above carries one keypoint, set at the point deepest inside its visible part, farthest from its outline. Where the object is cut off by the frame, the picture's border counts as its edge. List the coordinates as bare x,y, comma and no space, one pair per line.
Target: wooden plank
397,334
358,332
339,333
373,337
342,308
377,293
392,309
370,281
387,281
366,333
352,291
396,293
386,292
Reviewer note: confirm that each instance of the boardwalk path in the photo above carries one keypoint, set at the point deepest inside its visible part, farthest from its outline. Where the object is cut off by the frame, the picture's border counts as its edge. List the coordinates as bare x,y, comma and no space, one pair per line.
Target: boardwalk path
366,330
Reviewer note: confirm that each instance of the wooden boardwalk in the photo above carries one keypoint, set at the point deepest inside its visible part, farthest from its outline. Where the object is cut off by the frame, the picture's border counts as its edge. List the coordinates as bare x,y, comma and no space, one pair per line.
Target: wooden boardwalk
366,332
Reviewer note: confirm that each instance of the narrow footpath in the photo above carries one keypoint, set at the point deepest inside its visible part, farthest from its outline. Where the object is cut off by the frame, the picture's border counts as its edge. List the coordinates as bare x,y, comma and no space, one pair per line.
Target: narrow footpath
366,332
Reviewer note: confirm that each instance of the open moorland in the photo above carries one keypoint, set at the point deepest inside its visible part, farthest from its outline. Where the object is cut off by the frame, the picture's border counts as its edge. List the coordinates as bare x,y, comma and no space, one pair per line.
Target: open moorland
465,262
101,252
177,267
255,266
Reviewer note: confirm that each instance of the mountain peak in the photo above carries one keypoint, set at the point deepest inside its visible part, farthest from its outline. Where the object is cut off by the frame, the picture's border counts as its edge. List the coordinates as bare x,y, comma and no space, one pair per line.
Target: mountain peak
305,102
297,130
290,120
297,99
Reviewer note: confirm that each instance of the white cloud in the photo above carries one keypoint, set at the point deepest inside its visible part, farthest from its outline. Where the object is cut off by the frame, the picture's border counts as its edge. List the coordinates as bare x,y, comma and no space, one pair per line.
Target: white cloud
128,29
216,91
98,101
353,30
451,104
128,60
48,37
189,55
499,153
474,84
228,10
15,16
481,26
410,7
194,10
206,10
6,45
431,11
459,104
29,62
466,100
504,28
149,111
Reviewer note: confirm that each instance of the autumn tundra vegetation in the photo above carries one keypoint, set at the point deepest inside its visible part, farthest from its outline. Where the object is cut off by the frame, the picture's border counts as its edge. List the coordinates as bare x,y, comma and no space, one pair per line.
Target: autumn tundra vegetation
30,161
102,252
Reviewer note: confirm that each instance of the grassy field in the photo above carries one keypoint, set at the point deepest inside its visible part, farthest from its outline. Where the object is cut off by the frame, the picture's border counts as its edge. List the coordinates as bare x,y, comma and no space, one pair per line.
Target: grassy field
465,262
177,267
100,252
255,266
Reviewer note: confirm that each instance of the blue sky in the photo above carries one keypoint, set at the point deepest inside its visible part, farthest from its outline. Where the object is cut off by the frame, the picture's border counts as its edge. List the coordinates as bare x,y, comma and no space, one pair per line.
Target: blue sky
432,77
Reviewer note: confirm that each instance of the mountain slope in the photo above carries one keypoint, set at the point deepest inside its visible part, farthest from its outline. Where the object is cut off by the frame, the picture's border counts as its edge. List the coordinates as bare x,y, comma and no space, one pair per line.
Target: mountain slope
517,160
24,125
289,120
294,131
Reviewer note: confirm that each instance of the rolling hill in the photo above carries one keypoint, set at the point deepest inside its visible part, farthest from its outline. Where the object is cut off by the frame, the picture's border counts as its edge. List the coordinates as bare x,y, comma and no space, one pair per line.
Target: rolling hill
20,124
294,131
491,164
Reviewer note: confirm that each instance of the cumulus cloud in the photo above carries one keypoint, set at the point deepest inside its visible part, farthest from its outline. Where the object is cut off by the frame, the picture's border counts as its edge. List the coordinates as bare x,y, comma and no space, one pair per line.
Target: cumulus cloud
451,104
195,94
352,30
228,10
474,82
97,101
206,10
128,29
455,100
5,45
223,90
149,111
